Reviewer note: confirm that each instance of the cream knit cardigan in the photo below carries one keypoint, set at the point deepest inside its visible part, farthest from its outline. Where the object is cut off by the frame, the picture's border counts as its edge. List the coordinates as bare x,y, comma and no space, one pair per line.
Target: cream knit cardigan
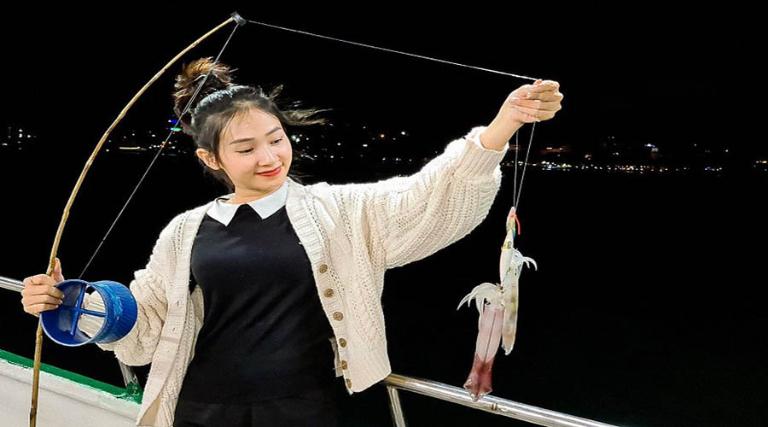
352,234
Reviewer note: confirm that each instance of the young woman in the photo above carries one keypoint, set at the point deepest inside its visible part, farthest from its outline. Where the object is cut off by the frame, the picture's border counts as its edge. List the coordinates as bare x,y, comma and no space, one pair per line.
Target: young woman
252,304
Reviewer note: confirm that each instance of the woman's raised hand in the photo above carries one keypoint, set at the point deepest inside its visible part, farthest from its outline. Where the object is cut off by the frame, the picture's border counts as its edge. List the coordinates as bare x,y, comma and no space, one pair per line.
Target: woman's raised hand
533,102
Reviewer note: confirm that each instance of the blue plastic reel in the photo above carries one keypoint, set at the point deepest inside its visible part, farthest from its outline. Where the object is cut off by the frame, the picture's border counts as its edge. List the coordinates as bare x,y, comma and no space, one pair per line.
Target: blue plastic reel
119,317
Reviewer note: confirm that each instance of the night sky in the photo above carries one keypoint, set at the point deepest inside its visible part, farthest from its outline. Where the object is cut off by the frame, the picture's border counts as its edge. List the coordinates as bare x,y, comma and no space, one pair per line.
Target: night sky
640,73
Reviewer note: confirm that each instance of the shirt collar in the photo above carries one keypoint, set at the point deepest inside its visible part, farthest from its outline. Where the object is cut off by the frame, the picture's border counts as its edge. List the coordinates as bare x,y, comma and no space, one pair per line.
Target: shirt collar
266,206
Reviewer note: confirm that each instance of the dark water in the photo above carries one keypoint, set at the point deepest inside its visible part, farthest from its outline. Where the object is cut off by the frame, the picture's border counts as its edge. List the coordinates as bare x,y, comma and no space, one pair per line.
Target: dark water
647,309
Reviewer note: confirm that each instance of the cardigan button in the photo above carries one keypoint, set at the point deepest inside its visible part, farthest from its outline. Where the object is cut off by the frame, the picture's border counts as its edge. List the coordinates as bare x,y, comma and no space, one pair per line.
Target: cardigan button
349,383
338,316
328,292
342,342
323,268
343,364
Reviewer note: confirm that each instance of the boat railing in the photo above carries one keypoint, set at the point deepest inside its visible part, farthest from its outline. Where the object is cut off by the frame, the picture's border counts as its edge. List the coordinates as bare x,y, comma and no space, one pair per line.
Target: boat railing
488,403
434,389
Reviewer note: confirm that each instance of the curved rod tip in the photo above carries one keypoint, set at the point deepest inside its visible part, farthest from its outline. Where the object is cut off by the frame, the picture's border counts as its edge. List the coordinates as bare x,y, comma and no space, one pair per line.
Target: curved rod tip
238,19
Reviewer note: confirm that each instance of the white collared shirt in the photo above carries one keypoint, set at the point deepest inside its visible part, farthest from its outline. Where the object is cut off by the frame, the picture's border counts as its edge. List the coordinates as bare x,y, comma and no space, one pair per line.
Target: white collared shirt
223,212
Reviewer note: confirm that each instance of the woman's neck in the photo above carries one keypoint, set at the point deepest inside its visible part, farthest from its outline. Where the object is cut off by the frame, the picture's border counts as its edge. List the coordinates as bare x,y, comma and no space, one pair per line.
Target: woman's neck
242,197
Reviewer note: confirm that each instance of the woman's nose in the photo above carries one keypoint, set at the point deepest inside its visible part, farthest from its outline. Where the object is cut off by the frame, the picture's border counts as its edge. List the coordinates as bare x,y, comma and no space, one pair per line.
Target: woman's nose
269,157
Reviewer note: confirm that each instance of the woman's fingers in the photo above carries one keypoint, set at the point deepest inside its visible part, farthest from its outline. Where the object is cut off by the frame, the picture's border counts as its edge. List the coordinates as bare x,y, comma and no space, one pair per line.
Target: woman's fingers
534,102
549,96
551,83
37,308
539,101
40,294
541,90
538,114
39,279
40,299
54,292
545,95
41,289
537,104
58,276
546,85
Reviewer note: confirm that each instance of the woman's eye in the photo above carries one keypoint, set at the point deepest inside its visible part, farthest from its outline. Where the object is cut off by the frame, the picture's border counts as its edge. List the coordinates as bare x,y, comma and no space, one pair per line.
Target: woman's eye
251,149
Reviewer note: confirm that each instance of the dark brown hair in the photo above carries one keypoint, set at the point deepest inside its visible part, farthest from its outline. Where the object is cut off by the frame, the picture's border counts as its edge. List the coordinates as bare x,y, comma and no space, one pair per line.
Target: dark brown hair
220,100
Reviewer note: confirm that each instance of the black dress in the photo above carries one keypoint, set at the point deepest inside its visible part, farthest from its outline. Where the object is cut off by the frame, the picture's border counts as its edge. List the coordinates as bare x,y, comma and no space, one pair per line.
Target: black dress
263,355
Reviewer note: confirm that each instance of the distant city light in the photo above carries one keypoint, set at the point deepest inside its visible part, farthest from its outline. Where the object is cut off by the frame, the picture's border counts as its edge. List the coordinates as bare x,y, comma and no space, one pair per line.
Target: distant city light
610,155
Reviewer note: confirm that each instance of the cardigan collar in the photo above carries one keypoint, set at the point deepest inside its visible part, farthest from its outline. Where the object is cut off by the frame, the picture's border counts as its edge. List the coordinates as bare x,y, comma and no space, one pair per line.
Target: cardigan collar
223,212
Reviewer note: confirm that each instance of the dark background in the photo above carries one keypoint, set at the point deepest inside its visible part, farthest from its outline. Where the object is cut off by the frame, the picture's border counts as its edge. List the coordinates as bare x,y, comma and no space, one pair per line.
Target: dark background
648,306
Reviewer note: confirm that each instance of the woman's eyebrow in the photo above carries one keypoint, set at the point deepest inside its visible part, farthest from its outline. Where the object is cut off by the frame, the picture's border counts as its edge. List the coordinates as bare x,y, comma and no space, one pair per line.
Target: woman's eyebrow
275,129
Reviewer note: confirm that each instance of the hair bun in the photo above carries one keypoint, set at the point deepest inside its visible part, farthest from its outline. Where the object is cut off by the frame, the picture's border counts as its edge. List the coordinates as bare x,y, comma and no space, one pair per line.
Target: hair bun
220,77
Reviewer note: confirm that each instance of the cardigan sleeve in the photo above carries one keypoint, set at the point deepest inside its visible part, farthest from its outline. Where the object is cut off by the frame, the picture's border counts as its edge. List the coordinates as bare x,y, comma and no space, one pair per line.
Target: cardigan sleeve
412,217
149,289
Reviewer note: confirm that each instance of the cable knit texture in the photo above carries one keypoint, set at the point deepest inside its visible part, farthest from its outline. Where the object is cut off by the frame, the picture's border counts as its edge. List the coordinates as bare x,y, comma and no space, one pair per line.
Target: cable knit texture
352,234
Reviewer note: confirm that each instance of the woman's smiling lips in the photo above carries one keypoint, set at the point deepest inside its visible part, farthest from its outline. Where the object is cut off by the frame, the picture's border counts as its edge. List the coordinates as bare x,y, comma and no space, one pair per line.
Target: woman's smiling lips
273,172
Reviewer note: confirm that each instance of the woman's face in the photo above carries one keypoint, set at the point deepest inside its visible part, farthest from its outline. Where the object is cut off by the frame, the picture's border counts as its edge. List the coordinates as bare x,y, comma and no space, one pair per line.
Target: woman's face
252,142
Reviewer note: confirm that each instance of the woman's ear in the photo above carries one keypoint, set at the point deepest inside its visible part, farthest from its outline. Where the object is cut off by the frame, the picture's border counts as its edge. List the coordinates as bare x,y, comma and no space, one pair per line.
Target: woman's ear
207,158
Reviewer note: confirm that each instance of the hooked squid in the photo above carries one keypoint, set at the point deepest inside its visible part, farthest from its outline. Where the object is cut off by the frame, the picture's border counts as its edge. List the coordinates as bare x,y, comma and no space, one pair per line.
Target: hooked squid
497,308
